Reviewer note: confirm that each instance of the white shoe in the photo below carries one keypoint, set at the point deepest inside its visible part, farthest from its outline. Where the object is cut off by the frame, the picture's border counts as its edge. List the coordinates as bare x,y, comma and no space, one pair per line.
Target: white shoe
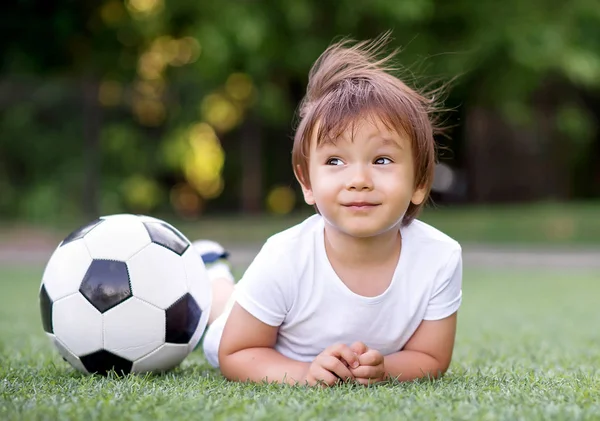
215,259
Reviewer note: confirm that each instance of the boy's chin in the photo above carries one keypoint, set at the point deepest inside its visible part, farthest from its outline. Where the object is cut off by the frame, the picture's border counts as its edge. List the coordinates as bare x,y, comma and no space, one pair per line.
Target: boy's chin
364,231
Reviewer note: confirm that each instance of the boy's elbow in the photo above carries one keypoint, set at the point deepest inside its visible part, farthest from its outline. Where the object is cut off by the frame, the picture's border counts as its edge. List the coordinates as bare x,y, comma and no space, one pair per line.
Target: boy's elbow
434,373
229,371
437,369
226,365
441,369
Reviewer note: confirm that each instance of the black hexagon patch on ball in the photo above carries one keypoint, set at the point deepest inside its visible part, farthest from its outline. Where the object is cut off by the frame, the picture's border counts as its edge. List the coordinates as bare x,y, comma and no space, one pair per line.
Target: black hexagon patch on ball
81,232
164,235
182,320
102,362
46,310
106,284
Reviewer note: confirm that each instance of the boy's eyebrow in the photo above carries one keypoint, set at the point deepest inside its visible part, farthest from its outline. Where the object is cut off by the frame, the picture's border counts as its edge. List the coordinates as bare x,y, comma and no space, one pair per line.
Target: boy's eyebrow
388,141
385,140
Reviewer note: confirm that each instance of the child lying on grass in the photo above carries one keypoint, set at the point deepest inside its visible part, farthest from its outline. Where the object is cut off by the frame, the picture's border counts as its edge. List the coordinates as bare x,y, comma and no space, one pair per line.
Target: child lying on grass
361,291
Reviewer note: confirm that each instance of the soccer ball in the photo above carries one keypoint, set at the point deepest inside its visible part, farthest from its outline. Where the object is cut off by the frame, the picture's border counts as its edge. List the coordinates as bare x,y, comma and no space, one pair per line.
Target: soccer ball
126,293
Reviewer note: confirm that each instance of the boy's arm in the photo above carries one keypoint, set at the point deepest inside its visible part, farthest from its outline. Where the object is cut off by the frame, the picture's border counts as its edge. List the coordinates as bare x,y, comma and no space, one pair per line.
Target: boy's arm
427,353
246,352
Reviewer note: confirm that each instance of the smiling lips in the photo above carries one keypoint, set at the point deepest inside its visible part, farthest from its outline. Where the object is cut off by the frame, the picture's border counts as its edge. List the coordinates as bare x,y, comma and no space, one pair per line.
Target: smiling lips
360,205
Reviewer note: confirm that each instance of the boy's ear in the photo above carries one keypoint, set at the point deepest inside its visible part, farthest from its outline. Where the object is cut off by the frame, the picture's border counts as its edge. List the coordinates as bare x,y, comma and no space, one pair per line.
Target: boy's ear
418,195
306,190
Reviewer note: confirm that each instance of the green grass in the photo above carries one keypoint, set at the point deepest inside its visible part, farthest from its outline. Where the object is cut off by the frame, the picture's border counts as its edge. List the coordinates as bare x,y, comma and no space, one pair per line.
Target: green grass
538,224
527,348
545,224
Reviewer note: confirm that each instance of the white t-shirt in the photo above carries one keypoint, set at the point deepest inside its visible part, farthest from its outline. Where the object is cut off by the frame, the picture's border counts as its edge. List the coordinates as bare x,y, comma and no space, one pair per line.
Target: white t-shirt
291,284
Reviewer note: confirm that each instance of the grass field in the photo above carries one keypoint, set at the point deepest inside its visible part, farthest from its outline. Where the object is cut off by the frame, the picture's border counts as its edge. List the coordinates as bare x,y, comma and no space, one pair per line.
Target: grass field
536,224
540,224
527,348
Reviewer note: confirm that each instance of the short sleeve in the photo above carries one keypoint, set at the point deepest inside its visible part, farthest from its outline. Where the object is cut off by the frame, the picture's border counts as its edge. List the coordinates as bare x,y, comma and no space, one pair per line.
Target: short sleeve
447,291
265,289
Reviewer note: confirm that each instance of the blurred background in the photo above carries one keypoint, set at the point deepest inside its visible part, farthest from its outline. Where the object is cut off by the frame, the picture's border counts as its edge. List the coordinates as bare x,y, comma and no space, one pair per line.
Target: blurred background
185,110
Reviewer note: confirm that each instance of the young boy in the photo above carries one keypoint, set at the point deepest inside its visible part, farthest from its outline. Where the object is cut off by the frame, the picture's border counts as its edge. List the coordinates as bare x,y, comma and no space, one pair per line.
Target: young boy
360,291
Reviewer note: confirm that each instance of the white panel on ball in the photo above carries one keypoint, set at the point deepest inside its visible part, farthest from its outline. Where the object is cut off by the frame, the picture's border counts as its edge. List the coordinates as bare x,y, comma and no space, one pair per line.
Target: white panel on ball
77,324
66,354
118,238
65,269
157,276
133,329
164,358
197,279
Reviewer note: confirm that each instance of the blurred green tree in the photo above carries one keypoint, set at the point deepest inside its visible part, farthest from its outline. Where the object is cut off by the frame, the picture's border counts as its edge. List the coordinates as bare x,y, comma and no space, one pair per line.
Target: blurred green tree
151,105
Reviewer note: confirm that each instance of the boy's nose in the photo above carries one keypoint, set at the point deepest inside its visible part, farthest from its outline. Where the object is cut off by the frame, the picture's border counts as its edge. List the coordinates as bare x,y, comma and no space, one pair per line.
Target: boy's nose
360,179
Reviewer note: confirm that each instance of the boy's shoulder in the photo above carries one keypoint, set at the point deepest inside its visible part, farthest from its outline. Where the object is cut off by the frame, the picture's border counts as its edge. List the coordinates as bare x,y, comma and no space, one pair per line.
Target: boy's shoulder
291,248
296,235
421,232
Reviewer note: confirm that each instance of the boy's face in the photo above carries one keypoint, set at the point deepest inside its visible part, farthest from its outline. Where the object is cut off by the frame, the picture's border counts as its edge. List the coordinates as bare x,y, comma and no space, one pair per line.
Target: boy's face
363,186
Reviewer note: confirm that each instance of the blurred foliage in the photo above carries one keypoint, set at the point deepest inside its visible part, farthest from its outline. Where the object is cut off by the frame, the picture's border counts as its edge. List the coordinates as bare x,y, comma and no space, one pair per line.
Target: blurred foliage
177,82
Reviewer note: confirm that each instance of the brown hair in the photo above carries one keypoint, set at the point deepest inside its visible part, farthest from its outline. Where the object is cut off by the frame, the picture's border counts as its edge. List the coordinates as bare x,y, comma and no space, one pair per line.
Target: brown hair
351,82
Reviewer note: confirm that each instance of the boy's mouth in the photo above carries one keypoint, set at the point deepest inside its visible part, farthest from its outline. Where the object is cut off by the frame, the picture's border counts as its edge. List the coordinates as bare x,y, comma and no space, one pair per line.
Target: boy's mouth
360,205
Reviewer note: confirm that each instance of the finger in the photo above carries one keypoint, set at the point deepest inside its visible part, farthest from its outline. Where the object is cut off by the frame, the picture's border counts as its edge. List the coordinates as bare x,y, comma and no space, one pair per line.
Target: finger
365,372
344,352
371,357
359,347
324,377
335,366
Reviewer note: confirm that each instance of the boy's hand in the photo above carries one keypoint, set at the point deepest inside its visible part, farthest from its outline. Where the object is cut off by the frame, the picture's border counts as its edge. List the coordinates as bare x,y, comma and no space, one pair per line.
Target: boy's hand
332,366
371,369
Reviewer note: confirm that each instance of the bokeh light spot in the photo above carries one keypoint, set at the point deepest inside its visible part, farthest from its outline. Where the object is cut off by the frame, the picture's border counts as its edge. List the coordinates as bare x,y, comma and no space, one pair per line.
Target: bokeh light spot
150,88
140,193
150,65
187,51
142,8
444,178
112,12
281,200
204,162
239,86
185,200
220,112
149,112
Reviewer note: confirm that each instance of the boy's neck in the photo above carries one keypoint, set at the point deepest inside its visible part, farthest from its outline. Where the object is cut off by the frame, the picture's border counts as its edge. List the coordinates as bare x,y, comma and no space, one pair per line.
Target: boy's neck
362,252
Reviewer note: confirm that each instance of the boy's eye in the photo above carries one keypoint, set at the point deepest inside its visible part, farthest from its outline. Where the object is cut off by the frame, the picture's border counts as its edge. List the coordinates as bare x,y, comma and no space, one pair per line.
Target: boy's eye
334,161
383,161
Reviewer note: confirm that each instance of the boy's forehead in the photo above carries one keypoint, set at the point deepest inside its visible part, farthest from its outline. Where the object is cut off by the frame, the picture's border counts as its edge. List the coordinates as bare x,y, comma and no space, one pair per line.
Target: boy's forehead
370,129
